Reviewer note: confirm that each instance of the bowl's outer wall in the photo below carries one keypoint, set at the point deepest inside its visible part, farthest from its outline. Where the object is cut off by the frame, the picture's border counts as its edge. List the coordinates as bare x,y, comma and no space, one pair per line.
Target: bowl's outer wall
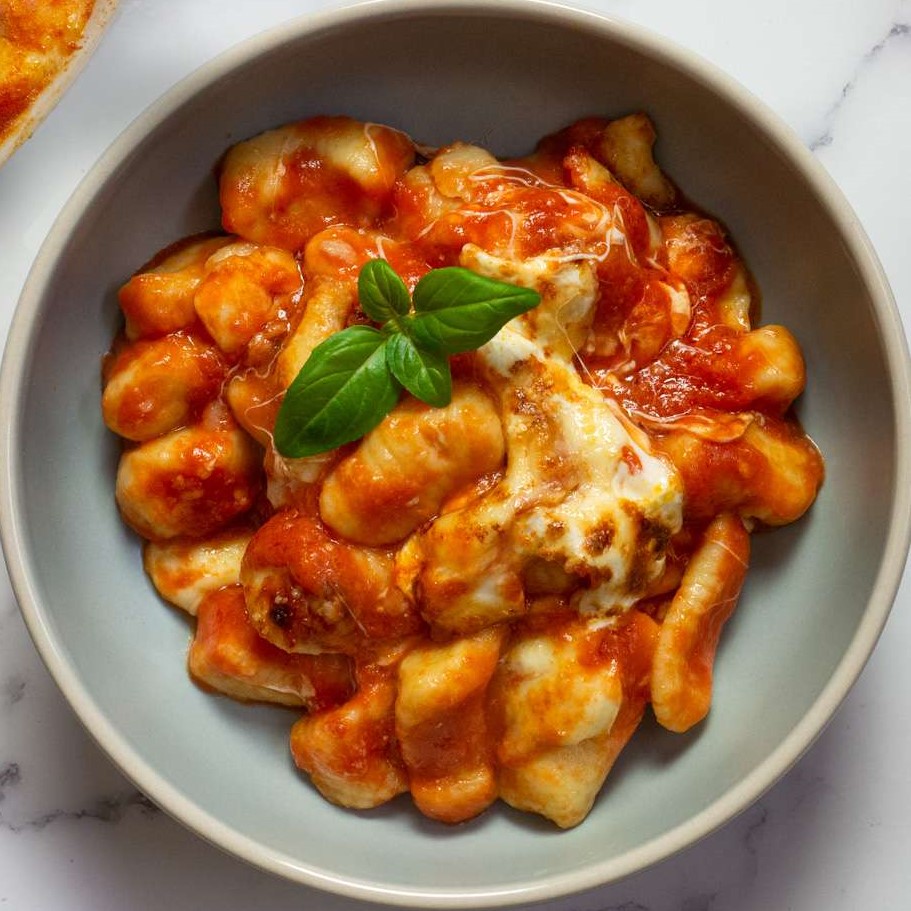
809,584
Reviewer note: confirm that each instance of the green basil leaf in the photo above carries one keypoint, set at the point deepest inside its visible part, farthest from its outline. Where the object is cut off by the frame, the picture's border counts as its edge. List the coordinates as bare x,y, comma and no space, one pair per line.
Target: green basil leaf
458,310
343,391
383,295
424,373
354,378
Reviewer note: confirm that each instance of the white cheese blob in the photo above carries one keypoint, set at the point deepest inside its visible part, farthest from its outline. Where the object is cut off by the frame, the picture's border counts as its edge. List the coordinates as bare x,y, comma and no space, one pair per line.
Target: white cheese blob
581,489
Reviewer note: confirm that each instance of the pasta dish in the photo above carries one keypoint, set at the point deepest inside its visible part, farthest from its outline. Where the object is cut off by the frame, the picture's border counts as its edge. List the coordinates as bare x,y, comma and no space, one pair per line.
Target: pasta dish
478,599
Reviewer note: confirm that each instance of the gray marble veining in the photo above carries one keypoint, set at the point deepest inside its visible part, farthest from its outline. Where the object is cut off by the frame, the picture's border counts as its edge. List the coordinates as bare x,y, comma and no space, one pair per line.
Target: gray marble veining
899,34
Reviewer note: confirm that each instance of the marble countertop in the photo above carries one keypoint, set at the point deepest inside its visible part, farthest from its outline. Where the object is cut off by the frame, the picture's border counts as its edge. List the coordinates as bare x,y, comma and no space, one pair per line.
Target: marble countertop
833,834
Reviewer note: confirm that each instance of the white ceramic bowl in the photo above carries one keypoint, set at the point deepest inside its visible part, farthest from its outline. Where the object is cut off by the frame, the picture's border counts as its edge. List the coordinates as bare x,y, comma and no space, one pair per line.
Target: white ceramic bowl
503,74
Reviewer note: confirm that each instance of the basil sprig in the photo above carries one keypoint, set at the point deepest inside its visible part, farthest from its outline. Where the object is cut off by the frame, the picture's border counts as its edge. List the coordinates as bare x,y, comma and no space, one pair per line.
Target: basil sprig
353,379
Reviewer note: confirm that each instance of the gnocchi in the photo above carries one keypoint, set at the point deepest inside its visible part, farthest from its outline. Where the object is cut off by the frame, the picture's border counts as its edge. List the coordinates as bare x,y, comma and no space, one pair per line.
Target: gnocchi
481,600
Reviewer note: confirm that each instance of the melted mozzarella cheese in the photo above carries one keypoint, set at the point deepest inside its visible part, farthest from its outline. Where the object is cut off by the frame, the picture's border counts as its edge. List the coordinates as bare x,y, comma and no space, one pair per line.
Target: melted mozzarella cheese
579,491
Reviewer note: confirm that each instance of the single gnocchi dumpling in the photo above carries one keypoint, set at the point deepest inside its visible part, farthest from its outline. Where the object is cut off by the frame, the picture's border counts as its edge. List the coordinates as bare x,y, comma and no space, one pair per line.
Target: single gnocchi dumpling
189,482
441,724
405,469
159,298
350,752
186,570
284,186
245,285
156,385
229,657
568,695
769,471
681,682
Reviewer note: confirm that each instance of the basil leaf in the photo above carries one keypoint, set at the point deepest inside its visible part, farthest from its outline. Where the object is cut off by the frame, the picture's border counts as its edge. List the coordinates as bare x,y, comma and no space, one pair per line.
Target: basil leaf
354,378
458,310
383,295
424,373
343,391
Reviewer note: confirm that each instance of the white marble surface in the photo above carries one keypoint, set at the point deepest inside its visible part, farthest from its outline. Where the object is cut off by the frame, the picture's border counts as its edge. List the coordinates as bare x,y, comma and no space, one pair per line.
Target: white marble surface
833,834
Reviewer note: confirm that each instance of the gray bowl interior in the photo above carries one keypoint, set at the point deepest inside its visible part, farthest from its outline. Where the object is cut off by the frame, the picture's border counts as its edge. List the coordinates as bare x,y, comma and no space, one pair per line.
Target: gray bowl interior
503,83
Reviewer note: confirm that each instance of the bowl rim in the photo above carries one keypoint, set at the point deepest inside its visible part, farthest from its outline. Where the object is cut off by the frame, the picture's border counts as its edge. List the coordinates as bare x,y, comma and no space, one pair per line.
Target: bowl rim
27,321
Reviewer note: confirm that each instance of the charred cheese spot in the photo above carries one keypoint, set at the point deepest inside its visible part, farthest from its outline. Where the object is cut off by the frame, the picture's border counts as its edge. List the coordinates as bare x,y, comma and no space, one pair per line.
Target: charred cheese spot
307,592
